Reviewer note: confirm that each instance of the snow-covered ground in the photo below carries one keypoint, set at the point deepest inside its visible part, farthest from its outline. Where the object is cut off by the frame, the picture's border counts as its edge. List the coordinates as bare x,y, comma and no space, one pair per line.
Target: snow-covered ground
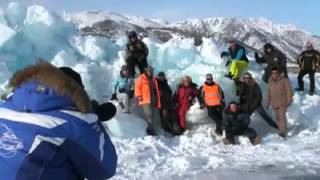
31,32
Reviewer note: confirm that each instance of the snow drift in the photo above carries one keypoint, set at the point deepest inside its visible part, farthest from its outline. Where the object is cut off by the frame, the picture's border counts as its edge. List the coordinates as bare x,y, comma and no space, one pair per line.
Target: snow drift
28,33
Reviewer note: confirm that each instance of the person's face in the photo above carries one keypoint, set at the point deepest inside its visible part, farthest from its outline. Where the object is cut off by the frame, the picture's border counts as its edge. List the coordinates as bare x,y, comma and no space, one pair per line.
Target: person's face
186,83
149,72
161,78
232,45
247,79
209,79
268,50
125,73
309,47
275,75
133,39
233,108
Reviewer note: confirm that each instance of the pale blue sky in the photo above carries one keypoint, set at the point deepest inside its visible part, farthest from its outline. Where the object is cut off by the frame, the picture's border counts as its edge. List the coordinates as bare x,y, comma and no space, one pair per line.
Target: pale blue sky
303,13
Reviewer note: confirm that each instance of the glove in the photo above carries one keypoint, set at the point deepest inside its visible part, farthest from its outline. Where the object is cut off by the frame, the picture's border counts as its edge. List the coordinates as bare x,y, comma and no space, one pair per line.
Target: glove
224,53
121,90
228,62
130,94
113,97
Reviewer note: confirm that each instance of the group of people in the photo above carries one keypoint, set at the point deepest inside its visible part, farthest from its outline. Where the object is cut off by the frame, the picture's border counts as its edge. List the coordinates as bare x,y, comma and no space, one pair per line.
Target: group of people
48,113
153,92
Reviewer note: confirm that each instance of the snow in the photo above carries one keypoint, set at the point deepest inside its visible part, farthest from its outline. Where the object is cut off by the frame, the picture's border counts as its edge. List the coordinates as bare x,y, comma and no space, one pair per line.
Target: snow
197,154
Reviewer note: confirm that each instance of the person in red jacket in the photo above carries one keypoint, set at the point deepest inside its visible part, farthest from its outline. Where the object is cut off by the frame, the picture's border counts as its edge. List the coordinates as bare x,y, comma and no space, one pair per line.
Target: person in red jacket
184,97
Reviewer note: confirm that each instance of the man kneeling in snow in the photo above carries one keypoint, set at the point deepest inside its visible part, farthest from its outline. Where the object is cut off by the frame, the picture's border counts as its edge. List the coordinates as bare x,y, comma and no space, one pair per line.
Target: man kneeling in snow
236,123
47,130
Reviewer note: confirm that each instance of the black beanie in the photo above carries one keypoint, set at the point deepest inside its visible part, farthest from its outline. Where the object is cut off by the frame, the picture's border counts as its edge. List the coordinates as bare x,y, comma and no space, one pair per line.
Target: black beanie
73,74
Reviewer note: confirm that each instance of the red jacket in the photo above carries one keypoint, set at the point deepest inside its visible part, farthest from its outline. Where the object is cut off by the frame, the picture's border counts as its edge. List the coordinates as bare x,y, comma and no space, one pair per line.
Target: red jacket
184,95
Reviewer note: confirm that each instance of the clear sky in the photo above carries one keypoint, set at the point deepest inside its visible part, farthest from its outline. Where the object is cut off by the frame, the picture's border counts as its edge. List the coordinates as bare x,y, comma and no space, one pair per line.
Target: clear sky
303,13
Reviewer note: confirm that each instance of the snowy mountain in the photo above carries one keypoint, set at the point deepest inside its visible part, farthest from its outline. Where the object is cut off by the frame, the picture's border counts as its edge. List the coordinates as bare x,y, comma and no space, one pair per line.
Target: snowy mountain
252,32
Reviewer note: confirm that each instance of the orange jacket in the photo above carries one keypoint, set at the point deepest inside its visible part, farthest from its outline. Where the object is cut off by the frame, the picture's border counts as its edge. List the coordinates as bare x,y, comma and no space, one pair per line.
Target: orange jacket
212,95
142,89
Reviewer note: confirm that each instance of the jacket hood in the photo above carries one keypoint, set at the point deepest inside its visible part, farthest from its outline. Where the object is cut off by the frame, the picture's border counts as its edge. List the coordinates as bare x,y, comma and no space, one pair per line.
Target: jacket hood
44,87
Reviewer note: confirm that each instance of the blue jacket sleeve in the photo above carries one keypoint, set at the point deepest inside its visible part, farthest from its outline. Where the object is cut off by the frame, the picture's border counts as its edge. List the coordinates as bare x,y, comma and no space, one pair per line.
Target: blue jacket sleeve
115,86
92,154
240,54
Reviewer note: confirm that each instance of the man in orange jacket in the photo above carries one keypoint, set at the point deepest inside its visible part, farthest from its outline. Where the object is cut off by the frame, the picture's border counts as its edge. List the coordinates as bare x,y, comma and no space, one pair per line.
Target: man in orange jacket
212,97
147,93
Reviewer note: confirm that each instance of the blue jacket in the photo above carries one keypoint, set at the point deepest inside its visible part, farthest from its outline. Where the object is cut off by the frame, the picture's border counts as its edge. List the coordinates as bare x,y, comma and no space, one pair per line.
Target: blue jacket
239,53
42,138
127,84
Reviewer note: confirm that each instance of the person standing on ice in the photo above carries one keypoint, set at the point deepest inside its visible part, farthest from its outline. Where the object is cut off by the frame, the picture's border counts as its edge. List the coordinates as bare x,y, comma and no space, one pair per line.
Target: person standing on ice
148,95
236,123
137,53
273,58
251,98
184,98
212,97
308,61
123,89
238,62
167,114
279,95
48,130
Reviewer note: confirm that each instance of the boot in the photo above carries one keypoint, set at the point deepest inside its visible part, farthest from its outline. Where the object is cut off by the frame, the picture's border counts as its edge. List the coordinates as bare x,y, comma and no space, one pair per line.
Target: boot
256,141
299,89
311,93
283,135
227,142
228,76
218,132
150,131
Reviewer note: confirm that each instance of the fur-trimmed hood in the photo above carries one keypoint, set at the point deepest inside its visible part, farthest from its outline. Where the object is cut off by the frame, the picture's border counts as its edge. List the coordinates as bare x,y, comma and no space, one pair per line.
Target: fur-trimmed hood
52,77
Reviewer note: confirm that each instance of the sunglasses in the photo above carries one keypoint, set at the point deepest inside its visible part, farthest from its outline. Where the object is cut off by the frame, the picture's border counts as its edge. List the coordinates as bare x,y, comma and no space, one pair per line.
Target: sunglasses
247,78
209,79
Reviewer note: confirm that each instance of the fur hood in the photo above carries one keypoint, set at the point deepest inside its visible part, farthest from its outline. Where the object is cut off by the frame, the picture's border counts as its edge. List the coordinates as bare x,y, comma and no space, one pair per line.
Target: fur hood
49,75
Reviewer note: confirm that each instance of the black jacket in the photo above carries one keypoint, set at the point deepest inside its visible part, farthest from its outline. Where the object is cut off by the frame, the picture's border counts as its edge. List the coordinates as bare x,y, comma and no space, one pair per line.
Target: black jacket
235,122
275,59
309,60
165,94
137,50
250,96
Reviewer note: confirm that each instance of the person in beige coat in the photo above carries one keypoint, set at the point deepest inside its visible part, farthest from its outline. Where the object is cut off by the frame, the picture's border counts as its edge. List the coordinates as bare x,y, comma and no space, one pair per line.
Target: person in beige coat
279,95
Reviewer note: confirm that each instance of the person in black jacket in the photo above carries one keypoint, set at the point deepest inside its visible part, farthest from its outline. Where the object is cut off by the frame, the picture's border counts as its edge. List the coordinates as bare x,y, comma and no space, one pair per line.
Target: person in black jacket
168,117
251,98
273,58
308,61
137,53
236,123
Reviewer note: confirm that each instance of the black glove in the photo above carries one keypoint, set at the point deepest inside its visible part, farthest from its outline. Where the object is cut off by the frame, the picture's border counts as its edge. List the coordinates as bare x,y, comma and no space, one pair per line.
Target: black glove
106,111
113,97
224,53
121,90
228,62
131,94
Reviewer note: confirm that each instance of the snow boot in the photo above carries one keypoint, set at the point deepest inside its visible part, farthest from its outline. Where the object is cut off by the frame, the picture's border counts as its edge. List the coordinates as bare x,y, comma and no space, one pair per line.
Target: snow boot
227,142
150,131
256,141
311,93
299,89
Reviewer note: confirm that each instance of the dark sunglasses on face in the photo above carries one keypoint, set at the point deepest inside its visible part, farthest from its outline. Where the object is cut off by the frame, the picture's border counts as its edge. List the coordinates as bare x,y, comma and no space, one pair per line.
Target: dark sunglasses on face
209,79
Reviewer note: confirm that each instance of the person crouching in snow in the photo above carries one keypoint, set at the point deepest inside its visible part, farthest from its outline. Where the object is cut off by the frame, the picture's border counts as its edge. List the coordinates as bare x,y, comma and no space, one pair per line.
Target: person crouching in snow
49,132
279,95
184,98
238,62
148,95
212,97
122,89
236,123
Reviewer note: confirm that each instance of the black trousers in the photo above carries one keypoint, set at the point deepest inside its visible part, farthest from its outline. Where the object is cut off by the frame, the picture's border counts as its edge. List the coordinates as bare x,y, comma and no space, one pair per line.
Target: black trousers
215,113
302,73
266,117
248,132
132,62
